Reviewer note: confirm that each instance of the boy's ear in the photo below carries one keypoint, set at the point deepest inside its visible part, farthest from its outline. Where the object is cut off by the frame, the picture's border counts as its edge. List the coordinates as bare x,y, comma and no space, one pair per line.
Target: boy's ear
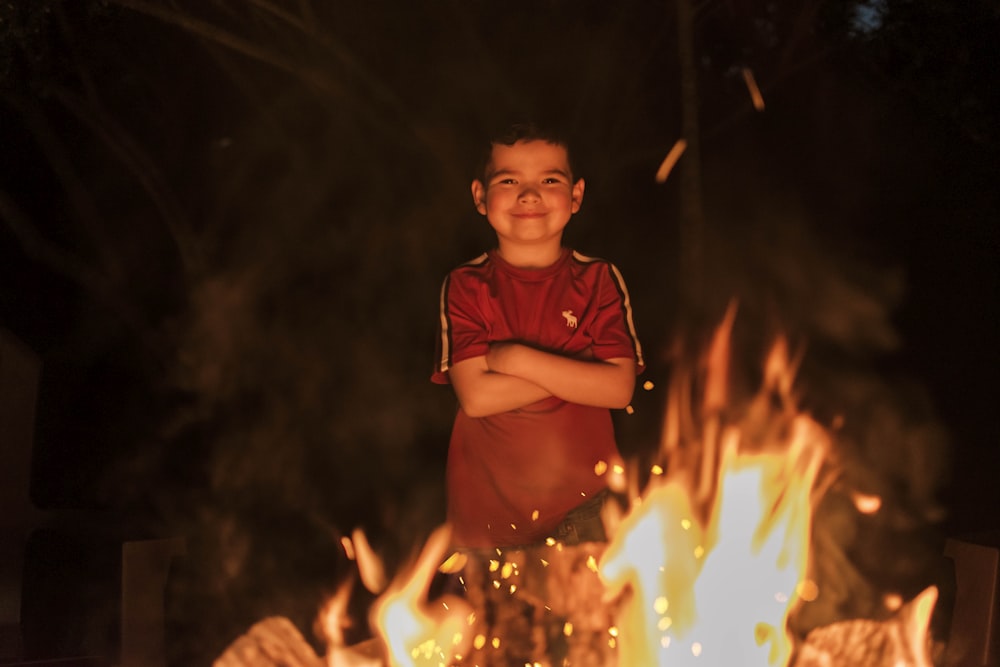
479,196
577,195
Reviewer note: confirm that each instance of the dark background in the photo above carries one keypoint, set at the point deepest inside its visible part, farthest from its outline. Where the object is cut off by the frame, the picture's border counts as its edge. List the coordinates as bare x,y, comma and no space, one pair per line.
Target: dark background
225,225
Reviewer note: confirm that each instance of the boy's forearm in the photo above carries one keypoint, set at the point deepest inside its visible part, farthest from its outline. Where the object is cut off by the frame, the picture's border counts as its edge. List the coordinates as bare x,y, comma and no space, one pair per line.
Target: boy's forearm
607,384
482,392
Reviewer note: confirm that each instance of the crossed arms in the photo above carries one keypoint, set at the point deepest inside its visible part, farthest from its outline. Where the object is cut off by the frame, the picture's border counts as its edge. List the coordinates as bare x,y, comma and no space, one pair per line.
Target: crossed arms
512,375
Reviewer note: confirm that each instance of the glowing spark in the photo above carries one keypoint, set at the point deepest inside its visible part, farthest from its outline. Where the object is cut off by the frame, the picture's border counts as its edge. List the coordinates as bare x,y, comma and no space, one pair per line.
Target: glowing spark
600,468
647,385
755,96
534,515
629,409
807,590
656,469
454,563
568,629
668,162
867,504
893,601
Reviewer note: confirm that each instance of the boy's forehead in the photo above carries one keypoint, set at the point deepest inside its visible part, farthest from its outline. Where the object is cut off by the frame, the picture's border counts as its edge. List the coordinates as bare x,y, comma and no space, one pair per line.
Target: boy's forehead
535,154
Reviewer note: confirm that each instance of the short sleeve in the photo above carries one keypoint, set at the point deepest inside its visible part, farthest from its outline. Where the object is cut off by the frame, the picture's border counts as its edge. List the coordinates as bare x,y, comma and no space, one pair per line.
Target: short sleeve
462,330
613,327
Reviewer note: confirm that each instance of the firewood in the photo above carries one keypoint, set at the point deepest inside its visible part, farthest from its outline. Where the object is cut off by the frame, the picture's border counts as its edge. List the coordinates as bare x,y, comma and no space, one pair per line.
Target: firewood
901,639
541,605
272,642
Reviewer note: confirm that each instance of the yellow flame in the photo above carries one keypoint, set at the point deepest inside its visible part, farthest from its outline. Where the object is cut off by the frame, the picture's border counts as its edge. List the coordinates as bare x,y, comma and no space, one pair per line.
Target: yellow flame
716,555
415,633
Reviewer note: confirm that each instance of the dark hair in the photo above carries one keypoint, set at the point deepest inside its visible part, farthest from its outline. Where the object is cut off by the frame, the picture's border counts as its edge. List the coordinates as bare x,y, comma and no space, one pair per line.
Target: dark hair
523,131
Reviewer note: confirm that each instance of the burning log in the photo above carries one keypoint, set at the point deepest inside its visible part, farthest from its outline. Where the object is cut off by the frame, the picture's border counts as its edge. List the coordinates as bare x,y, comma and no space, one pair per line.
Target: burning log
541,605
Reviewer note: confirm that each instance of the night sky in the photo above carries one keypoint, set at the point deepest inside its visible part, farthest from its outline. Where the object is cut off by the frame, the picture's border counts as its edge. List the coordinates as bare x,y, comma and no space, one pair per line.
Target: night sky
224,226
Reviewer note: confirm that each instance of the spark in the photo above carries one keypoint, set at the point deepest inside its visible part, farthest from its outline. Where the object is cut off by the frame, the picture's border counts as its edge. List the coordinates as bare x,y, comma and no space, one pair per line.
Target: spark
867,504
807,590
755,96
668,162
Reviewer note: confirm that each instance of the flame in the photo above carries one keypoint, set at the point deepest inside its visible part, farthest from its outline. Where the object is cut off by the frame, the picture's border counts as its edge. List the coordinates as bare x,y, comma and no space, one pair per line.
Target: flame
414,633
712,559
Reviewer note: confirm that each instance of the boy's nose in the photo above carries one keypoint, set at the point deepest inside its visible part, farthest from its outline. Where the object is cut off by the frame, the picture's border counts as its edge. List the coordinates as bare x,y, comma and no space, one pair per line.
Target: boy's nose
528,194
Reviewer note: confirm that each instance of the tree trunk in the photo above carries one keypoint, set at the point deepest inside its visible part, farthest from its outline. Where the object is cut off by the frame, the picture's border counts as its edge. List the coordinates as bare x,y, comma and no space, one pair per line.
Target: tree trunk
691,278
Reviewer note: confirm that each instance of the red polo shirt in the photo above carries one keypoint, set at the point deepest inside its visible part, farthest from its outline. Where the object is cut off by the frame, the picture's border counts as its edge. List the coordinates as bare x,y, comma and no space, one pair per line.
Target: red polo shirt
513,476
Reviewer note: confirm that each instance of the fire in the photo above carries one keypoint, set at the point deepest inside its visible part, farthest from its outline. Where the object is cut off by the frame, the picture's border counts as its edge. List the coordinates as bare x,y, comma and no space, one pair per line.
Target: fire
718,590
411,631
706,566
714,557
414,632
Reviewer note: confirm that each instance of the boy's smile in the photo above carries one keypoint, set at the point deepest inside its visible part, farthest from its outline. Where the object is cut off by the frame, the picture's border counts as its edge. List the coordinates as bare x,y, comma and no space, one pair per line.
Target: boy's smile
528,199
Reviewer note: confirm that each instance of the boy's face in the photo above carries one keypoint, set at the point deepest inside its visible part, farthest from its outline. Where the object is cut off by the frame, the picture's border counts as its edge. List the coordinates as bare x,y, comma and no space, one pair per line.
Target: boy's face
529,194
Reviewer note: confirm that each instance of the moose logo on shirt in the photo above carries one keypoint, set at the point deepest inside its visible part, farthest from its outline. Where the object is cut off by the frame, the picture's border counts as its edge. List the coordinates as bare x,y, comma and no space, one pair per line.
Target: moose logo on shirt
570,318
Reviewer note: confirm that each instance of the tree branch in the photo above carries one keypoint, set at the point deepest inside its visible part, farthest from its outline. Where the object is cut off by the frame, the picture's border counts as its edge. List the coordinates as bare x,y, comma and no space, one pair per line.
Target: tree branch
207,31
79,198
37,248
129,153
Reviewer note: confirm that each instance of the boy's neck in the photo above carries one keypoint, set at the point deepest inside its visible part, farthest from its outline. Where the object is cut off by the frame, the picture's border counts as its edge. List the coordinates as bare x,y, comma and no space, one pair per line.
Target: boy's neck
530,257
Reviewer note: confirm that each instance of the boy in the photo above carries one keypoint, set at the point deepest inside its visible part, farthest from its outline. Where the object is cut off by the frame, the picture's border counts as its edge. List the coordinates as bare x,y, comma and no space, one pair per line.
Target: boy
538,343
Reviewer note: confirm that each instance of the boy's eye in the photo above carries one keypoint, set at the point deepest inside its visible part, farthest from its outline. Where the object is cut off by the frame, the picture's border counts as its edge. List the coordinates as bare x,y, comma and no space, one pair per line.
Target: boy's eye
550,180
507,181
